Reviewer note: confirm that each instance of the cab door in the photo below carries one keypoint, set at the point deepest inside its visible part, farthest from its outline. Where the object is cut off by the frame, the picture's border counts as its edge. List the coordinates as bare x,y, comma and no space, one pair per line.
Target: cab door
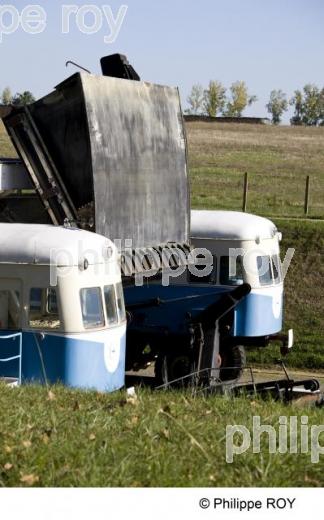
10,327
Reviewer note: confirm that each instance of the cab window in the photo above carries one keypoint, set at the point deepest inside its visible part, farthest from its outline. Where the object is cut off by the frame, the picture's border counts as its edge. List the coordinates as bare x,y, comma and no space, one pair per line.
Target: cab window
264,270
111,304
120,302
92,309
231,270
9,310
43,309
210,278
276,268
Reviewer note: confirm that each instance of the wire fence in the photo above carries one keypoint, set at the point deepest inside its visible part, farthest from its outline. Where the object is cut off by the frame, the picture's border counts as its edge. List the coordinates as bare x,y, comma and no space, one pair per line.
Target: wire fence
277,195
308,202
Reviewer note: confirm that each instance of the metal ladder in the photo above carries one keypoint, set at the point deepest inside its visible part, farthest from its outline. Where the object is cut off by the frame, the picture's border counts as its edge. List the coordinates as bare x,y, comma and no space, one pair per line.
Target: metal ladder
13,380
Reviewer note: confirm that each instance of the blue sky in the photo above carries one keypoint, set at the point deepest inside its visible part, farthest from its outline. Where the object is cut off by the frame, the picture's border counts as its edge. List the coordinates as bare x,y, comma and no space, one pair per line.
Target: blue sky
269,44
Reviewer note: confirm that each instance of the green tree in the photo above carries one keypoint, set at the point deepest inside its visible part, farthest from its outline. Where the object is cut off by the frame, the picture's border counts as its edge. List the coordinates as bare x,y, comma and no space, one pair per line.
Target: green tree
6,96
308,105
311,112
214,98
277,105
24,98
196,100
321,107
297,102
239,100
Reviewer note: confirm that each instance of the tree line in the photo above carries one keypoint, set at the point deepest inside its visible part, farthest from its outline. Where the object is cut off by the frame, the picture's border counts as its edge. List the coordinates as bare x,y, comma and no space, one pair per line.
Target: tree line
20,98
213,100
308,103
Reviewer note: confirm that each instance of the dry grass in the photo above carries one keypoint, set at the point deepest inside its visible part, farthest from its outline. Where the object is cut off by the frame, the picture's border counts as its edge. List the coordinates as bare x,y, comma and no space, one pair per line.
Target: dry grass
210,139
278,159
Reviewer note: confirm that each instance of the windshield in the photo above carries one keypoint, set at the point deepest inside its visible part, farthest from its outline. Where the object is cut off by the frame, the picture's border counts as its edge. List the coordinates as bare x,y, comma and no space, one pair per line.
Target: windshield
269,269
92,310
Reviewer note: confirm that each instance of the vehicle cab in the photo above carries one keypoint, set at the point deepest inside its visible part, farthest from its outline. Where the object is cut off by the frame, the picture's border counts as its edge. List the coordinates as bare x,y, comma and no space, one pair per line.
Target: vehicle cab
62,313
245,249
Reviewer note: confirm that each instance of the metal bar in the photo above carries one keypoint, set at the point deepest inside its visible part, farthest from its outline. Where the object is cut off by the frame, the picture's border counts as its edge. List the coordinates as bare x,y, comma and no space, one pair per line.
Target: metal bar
70,62
283,366
46,160
252,380
20,359
306,203
33,176
11,336
6,360
54,188
41,359
41,168
157,301
245,191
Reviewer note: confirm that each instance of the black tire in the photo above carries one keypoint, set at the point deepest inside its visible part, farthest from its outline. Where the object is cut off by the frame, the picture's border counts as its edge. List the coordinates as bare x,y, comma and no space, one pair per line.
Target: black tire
174,366
232,356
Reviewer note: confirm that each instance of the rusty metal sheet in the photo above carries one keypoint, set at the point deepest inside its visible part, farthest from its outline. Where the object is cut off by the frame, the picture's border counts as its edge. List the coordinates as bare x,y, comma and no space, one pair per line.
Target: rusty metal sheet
115,151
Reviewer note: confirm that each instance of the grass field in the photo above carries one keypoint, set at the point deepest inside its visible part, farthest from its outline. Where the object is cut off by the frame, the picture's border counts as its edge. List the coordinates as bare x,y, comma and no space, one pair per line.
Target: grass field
277,159
66,437
71,438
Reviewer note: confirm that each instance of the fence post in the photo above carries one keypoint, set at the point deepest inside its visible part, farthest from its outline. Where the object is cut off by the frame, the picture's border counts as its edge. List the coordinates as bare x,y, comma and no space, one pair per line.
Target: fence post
245,191
306,203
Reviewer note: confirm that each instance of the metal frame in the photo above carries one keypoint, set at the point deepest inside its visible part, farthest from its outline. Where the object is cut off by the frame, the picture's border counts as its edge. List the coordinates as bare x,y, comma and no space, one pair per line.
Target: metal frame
7,360
44,175
285,389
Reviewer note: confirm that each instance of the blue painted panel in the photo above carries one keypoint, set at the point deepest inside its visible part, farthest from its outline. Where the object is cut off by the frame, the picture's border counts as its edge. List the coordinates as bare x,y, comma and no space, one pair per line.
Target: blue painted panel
255,316
9,348
71,360
179,301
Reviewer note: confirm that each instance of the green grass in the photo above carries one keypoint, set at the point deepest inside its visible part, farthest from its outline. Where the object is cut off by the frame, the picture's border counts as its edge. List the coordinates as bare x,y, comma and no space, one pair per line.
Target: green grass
277,159
161,439
304,288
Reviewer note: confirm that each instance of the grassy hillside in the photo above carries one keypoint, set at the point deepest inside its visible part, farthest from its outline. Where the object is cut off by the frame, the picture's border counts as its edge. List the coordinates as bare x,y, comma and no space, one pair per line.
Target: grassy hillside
278,159
71,438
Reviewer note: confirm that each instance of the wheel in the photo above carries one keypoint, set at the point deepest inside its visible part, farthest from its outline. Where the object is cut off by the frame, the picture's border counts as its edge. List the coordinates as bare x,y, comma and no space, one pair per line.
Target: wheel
173,367
232,356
